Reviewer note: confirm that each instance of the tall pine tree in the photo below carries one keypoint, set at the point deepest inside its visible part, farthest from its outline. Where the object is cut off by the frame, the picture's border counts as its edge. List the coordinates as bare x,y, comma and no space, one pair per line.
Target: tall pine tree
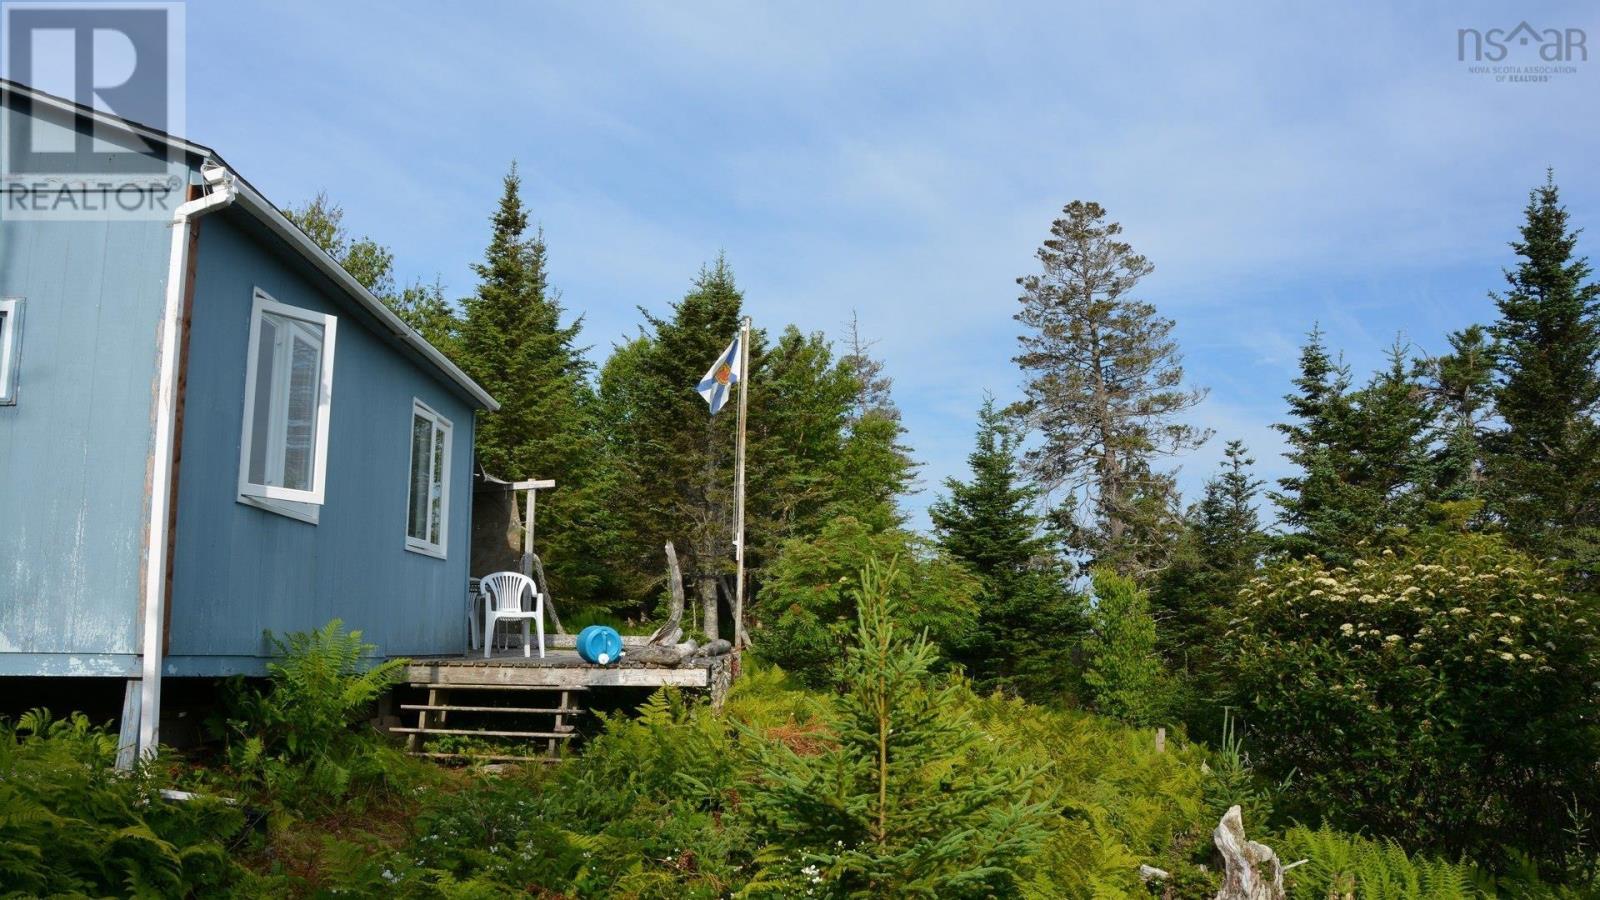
1545,462
1026,613
1105,390
514,344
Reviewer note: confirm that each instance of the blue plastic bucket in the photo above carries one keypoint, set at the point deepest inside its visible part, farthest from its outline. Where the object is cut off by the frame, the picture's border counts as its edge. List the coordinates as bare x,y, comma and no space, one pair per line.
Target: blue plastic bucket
599,644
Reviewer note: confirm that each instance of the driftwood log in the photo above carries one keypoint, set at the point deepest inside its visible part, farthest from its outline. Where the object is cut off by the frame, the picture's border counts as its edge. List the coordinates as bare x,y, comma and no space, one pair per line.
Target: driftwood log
1252,870
713,648
672,630
662,654
667,646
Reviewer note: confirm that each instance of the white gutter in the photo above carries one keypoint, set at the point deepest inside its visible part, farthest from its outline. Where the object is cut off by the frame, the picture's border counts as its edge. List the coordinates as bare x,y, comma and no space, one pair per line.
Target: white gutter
222,193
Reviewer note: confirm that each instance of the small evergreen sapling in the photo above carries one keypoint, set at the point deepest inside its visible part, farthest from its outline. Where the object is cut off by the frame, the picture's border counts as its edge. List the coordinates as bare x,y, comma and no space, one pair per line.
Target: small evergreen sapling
907,801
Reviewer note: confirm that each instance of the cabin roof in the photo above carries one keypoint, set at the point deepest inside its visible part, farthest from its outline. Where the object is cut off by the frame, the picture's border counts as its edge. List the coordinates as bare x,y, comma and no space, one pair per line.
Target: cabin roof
255,203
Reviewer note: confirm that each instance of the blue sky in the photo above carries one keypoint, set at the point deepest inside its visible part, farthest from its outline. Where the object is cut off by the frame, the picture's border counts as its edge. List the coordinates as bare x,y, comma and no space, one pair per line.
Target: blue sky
1281,164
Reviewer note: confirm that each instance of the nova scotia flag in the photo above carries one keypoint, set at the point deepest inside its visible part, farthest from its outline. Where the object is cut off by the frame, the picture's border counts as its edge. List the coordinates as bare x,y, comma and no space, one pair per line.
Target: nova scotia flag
724,374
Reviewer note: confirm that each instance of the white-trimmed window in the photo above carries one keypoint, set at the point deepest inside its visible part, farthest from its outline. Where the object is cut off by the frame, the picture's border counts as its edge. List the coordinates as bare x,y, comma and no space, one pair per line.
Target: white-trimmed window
10,349
428,501
283,455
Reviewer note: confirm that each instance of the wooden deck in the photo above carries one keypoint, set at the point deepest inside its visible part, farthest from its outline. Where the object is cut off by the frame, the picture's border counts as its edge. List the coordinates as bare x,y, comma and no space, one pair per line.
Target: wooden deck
562,668
508,695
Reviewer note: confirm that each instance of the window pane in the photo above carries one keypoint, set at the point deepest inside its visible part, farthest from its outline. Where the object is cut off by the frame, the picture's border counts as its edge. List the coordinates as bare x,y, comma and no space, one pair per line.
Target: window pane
305,382
436,517
260,421
417,514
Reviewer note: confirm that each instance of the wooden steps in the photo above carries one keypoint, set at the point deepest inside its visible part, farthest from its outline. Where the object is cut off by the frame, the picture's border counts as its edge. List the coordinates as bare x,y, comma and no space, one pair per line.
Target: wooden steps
572,711
483,757
435,718
561,735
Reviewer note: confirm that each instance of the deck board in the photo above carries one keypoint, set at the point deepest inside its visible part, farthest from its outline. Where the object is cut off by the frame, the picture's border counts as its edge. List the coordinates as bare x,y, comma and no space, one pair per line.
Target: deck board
558,669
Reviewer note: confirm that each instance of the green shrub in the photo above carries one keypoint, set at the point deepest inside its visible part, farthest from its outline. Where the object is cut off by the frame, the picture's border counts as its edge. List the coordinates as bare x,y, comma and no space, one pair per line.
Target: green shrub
71,824
807,605
1443,695
305,739
1123,674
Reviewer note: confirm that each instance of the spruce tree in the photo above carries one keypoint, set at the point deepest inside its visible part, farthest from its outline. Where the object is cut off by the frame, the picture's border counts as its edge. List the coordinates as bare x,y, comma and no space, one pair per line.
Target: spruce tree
1123,672
1366,469
1026,613
875,467
1394,475
1105,390
907,800
1311,502
798,428
1545,462
1461,383
1218,554
514,343
675,461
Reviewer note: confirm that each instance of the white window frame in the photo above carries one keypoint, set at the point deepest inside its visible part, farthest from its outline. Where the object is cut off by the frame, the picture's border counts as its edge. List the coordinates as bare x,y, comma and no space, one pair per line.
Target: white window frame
288,501
10,348
439,423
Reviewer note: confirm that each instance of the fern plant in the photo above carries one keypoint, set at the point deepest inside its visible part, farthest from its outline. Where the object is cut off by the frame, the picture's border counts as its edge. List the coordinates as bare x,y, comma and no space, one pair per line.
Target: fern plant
1342,865
305,736
70,824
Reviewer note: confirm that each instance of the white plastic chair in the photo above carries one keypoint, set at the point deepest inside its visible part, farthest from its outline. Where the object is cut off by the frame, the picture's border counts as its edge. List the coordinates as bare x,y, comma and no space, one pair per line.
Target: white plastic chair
502,594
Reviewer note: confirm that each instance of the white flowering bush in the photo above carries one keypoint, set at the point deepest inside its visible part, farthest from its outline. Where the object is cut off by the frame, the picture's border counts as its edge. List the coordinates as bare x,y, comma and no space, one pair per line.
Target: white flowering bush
1442,694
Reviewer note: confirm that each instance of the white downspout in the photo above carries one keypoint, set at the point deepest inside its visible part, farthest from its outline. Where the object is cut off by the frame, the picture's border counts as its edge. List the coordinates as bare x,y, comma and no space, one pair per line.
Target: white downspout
222,193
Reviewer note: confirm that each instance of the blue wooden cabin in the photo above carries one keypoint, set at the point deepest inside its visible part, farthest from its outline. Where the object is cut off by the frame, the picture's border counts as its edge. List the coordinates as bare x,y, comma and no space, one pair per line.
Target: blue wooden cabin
208,431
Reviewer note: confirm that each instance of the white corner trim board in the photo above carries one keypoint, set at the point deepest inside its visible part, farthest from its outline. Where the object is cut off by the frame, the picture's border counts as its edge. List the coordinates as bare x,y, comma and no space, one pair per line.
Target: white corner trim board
222,193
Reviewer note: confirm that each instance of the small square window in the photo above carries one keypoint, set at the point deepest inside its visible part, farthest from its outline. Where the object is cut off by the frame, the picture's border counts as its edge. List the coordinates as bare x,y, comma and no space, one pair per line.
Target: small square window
10,349
428,500
288,397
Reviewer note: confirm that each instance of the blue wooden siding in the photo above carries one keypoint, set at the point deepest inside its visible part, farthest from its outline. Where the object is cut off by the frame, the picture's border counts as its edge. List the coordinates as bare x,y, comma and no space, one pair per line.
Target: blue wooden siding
240,570
74,448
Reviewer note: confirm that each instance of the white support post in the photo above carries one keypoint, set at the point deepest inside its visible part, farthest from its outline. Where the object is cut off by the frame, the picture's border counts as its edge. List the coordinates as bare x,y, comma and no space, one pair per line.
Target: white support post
533,488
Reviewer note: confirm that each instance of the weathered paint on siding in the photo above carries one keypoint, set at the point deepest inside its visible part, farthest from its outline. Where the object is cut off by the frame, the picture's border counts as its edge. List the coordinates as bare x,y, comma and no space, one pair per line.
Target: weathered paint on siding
75,446
240,570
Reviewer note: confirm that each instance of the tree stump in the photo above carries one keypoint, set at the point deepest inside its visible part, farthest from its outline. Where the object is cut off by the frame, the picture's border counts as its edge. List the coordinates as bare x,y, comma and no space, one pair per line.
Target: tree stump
1253,871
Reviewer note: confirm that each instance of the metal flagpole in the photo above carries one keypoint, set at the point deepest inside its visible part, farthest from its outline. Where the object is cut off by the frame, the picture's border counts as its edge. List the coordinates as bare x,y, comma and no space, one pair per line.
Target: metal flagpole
739,637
